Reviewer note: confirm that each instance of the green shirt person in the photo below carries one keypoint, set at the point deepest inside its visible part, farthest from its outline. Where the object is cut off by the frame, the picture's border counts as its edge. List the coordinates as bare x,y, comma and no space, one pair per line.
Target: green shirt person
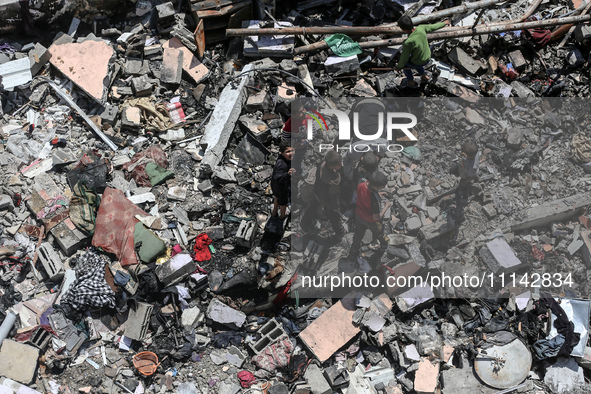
415,50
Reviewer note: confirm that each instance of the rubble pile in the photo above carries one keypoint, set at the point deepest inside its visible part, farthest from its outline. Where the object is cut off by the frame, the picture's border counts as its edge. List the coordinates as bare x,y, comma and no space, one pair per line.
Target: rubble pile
138,252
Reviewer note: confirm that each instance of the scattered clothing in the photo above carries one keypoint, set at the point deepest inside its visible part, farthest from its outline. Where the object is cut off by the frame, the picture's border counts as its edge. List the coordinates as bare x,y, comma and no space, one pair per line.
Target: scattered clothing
90,289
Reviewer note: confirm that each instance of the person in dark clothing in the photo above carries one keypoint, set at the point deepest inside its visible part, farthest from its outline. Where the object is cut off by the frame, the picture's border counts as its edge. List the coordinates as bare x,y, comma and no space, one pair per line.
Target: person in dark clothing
294,130
466,169
368,216
281,179
326,195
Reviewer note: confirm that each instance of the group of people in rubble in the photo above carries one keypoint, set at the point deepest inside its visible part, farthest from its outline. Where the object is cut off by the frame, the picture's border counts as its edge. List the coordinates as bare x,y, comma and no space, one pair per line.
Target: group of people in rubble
358,184
352,185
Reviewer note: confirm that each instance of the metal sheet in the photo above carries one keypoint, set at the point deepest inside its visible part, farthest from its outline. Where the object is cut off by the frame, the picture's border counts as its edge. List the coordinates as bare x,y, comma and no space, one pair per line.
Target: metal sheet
506,366
578,312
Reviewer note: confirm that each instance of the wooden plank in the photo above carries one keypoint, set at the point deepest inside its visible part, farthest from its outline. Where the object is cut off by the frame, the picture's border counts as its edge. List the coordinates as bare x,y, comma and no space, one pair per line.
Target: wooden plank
15,73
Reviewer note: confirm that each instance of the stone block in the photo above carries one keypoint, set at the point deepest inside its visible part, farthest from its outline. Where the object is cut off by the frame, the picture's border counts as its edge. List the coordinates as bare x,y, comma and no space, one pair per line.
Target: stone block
141,86
253,125
136,66
109,114
222,313
337,65
316,380
363,89
270,333
177,193
246,233
191,65
520,90
385,82
131,117
176,269
286,93
172,66
461,59
413,224
258,101
18,361
489,210
6,203
165,10
564,376
191,317
38,56
499,257
68,237
517,59
138,322
51,261
289,66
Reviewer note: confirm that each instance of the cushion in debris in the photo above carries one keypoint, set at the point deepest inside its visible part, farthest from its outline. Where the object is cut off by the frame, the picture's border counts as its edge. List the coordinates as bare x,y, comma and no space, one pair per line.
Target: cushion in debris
157,174
115,225
149,246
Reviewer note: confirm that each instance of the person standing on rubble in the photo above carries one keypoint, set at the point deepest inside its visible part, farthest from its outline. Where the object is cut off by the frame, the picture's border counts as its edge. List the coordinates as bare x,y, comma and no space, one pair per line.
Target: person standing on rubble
294,130
368,216
326,195
466,169
281,179
415,50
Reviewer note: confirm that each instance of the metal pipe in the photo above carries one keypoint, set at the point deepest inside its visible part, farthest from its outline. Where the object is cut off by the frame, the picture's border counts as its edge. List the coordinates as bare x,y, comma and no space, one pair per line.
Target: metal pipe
391,28
320,45
7,326
75,106
468,32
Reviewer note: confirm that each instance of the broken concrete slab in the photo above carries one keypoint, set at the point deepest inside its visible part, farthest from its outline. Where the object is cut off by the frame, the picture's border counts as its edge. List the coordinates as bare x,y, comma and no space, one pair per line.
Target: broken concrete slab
499,257
337,65
333,329
86,64
222,313
427,376
172,66
564,376
316,380
191,65
554,211
461,59
221,125
18,361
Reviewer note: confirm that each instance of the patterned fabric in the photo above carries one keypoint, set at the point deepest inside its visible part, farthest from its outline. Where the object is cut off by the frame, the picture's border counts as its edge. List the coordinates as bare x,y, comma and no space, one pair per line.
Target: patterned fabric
136,168
115,224
90,289
275,356
83,208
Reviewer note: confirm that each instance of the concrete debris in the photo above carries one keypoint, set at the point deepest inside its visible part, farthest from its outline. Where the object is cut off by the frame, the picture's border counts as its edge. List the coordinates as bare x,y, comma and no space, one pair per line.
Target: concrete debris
150,243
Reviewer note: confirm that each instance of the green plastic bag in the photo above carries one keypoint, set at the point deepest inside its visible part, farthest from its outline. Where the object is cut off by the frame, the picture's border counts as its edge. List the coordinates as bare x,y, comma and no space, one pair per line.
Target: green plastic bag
342,45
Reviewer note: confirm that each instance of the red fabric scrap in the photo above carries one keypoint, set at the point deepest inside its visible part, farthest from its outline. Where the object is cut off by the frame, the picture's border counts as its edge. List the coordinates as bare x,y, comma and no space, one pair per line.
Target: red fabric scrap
282,295
176,249
201,247
137,166
246,379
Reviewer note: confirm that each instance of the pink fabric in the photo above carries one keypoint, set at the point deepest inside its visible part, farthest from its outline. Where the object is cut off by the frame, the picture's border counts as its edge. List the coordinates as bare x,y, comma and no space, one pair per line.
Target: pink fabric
115,223
275,356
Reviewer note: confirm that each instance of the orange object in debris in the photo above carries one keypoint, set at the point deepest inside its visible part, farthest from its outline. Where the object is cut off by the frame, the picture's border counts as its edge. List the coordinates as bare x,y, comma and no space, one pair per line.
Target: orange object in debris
146,362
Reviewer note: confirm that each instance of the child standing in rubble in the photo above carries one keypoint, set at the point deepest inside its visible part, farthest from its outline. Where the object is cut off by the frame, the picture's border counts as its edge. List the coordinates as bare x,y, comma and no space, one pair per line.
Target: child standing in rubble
368,216
415,50
466,169
326,195
281,179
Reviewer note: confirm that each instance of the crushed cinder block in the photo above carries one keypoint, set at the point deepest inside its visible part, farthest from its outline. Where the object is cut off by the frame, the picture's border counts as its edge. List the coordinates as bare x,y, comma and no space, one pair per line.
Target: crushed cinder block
499,257
177,193
138,322
270,333
215,232
191,318
246,233
109,114
51,261
131,117
258,101
222,313
18,361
